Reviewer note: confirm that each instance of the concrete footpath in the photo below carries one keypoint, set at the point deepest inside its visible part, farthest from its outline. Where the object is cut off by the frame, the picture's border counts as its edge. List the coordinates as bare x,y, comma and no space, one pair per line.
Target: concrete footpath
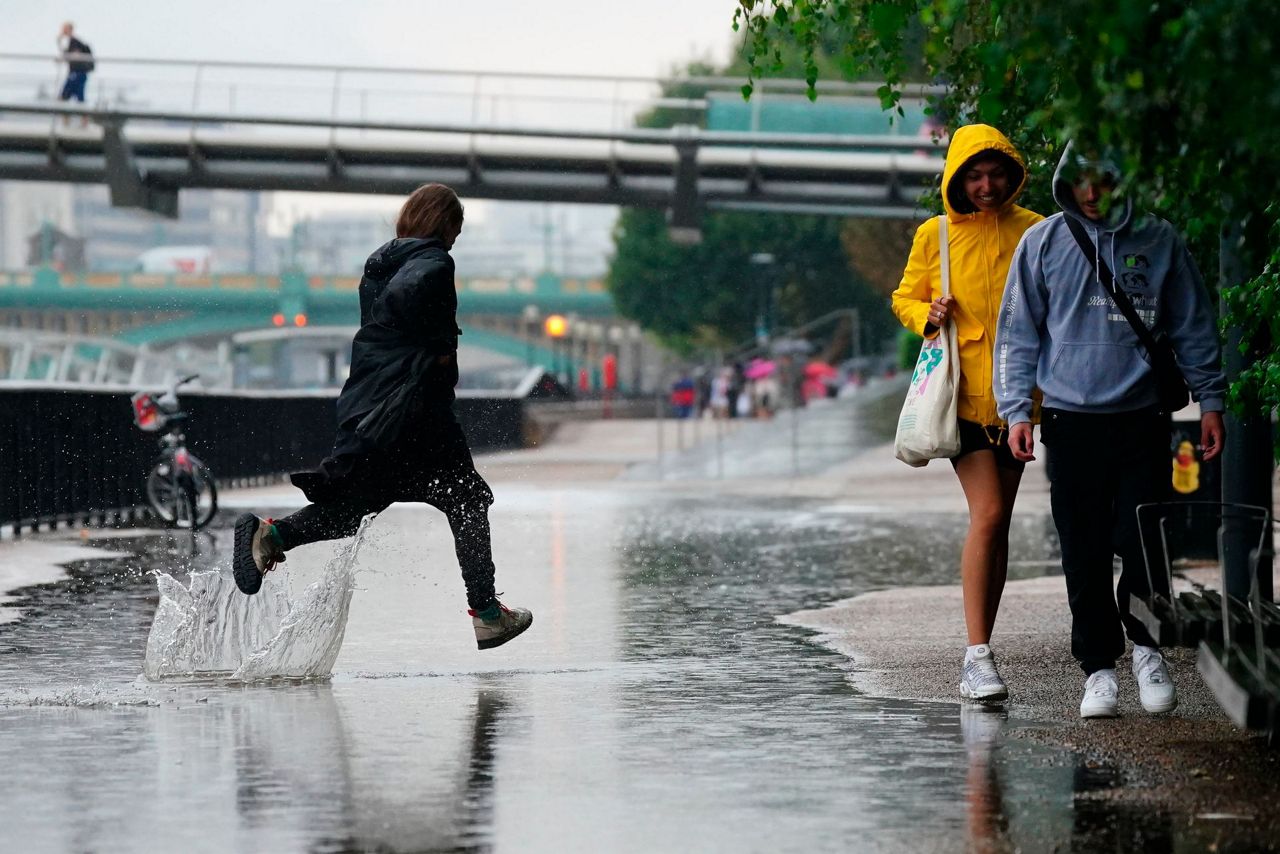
907,642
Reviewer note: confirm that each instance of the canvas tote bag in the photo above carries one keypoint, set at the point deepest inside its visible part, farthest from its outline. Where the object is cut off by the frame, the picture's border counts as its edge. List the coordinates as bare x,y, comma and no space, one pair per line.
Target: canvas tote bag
927,427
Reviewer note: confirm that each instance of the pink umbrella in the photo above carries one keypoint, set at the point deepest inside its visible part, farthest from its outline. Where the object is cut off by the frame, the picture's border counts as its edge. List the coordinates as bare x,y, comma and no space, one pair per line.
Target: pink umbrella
816,376
759,369
820,370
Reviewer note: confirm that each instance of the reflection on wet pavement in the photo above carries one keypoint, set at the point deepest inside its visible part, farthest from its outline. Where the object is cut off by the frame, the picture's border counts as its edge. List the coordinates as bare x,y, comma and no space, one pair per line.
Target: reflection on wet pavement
656,705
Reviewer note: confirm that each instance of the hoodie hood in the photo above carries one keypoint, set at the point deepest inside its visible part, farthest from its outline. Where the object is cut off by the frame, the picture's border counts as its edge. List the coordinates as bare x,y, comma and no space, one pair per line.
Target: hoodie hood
967,143
391,256
1064,178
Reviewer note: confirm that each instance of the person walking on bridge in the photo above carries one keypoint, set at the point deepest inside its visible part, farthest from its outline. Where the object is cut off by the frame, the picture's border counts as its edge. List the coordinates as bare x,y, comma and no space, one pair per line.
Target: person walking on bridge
79,59
1063,330
397,437
981,181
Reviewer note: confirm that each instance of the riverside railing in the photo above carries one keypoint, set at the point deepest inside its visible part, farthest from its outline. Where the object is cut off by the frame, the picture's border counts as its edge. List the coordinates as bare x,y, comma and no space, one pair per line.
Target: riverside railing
73,456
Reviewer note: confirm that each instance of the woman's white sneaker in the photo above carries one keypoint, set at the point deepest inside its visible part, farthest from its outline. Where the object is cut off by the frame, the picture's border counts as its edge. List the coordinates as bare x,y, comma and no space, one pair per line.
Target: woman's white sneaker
979,679
1101,695
1155,685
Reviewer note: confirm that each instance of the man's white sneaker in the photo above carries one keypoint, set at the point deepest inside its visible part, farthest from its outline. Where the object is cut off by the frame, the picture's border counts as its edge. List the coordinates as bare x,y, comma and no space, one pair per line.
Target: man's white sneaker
979,679
1101,695
1155,686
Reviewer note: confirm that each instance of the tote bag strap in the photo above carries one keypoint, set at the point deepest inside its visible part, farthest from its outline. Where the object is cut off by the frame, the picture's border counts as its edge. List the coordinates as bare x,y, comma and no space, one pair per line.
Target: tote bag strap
944,252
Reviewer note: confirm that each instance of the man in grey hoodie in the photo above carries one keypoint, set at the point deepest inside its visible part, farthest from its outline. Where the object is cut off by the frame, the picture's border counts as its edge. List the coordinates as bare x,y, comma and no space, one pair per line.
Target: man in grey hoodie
1060,331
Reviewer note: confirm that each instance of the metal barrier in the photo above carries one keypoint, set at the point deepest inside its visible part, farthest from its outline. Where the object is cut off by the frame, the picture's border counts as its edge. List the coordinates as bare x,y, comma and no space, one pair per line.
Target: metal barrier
73,456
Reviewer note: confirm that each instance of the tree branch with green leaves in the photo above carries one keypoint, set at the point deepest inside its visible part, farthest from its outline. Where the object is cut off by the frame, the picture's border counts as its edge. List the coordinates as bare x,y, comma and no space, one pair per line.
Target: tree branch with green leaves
1186,92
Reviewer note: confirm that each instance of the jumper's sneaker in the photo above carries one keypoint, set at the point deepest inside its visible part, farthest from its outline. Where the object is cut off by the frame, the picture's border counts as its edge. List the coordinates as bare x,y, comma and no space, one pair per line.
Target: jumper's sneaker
979,680
1155,686
257,550
498,624
1101,695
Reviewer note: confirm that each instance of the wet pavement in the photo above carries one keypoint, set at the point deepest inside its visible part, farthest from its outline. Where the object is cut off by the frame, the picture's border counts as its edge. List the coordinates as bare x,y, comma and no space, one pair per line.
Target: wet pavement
655,705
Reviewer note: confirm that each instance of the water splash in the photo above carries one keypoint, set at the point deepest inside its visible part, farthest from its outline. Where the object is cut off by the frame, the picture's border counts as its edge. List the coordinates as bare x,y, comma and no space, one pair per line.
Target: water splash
208,629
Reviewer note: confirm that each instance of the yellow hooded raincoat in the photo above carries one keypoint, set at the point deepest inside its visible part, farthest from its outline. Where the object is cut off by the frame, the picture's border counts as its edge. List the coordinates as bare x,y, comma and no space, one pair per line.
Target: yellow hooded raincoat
981,246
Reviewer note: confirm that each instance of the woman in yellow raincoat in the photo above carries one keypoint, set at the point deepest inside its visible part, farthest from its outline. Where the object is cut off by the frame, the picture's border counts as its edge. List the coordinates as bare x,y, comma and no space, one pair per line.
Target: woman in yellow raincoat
983,177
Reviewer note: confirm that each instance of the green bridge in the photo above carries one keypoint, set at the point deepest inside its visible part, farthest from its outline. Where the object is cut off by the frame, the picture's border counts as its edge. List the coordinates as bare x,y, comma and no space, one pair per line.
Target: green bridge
504,315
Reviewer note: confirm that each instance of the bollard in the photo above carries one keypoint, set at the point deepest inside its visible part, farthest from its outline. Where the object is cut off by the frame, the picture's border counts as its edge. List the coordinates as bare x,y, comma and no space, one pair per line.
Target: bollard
658,417
795,439
719,449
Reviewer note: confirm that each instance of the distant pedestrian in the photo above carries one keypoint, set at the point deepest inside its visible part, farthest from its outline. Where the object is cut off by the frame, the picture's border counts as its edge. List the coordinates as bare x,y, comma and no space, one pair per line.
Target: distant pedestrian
720,390
982,179
683,397
79,59
1062,331
703,391
397,436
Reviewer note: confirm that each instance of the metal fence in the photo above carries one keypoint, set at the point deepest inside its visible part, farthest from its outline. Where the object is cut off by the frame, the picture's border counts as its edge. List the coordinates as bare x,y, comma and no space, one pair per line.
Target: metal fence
73,456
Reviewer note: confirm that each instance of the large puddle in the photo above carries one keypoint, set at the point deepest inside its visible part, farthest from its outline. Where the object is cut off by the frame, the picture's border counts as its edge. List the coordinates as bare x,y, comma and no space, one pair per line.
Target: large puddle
655,706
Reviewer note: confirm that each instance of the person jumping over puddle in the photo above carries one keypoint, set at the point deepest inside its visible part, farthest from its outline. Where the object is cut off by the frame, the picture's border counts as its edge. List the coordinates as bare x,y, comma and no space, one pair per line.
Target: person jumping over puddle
397,436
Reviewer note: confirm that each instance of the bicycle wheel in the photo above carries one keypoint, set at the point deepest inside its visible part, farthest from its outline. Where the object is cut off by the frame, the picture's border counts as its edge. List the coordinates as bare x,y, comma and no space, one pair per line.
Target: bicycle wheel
162,491
206,496
184,507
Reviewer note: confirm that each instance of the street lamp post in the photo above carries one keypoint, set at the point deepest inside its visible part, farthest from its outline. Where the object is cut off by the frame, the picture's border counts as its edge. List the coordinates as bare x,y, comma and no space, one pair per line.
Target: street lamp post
763,261
556,326
530,319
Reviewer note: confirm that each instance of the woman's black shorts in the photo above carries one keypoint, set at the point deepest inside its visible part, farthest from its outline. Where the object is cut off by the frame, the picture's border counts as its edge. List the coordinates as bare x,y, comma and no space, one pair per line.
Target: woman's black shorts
976,437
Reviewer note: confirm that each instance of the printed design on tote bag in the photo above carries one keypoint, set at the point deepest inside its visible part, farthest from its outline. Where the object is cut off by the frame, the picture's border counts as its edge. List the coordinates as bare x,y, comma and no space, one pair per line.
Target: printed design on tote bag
930,359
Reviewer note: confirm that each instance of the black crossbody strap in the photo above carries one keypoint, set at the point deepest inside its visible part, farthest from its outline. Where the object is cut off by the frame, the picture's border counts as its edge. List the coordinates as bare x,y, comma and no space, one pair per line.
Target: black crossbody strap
1120,298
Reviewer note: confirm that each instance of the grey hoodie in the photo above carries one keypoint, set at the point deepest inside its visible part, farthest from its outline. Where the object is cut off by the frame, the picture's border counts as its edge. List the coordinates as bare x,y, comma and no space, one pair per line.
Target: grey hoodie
1060,331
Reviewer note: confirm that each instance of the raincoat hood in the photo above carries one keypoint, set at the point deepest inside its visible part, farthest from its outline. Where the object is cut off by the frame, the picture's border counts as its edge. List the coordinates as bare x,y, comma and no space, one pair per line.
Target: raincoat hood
390,256
1065,177
967,143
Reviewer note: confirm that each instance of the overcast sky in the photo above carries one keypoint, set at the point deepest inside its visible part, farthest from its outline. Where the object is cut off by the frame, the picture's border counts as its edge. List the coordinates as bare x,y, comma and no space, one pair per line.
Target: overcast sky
619,37
589,36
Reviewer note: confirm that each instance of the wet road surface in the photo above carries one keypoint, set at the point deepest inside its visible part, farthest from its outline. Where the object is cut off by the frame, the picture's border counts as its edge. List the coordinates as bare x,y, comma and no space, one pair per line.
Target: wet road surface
655,705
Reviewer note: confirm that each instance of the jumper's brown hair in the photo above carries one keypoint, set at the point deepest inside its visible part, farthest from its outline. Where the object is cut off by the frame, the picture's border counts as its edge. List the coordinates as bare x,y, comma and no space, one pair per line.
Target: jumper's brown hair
428,211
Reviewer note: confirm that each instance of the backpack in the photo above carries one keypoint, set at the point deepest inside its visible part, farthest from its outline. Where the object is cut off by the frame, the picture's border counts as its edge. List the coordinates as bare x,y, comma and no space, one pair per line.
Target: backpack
85,65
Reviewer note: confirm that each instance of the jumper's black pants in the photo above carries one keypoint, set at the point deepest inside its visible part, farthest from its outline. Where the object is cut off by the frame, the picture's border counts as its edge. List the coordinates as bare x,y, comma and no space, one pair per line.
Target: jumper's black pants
1100,468
430,463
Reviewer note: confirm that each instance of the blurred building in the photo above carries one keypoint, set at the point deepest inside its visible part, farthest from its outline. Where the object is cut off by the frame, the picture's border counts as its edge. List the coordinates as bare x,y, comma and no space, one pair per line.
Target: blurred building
228,222
499,240
26,207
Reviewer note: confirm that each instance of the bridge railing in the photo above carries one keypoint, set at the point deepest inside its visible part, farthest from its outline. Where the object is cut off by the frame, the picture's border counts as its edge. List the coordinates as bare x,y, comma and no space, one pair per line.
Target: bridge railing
355,93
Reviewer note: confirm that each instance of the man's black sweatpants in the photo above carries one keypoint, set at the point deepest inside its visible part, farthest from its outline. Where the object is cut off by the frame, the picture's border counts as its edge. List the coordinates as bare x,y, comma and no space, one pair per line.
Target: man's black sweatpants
1100,468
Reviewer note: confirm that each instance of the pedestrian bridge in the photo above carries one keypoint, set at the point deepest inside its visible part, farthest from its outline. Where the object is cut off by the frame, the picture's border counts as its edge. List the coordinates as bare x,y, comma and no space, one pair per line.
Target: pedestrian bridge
154,127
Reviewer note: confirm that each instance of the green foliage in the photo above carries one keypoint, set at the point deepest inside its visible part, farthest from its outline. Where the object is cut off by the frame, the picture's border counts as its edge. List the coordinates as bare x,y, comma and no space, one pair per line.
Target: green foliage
710,295
908,350
1185,93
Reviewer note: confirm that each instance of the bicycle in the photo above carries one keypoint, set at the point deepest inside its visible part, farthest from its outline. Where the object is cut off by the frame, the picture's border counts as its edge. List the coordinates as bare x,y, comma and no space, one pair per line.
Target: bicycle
180,488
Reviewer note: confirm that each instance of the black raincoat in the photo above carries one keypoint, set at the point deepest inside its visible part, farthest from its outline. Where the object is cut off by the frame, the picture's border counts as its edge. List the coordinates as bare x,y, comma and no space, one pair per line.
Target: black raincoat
396,427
